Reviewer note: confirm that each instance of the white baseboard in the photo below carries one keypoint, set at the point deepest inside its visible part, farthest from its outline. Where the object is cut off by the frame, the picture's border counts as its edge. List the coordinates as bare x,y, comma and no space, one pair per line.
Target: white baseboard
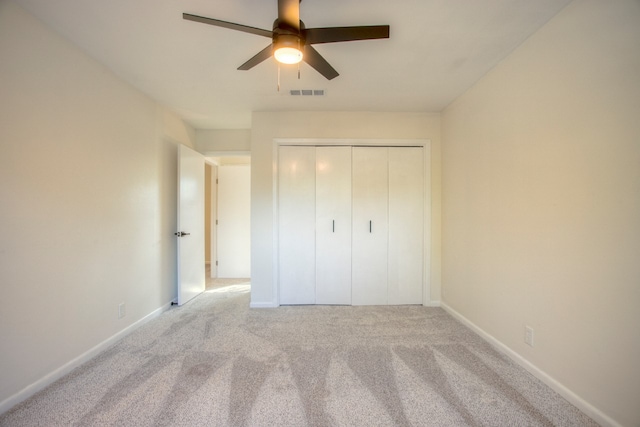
274,305
593,412
50,378
263,305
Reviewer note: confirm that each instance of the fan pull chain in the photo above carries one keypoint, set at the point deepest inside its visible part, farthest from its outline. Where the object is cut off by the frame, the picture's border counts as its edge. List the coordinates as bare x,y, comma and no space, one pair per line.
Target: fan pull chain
278,77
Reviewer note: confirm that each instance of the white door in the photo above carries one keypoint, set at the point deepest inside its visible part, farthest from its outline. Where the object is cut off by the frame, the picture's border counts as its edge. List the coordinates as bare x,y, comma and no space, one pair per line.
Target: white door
370,184
333,225
296,224
191,262
406,224
234,239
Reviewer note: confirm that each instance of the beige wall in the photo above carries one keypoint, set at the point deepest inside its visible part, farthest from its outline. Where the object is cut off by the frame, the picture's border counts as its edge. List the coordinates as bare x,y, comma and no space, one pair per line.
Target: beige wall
337,125
215,141
541,204
173,128
88,193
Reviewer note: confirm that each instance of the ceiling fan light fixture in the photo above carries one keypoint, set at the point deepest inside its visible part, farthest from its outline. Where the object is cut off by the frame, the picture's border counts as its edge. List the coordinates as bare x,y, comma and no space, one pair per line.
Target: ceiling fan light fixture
287,55
286,48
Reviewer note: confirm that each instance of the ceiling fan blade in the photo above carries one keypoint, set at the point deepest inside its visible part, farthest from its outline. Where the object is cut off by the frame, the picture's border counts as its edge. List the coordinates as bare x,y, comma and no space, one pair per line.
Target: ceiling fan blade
230,25
313,58
289,13
258,58
345,34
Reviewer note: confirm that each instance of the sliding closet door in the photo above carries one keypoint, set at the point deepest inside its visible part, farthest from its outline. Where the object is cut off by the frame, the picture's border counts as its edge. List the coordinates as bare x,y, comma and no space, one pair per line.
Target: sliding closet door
333,225
406,225
370,225
296,224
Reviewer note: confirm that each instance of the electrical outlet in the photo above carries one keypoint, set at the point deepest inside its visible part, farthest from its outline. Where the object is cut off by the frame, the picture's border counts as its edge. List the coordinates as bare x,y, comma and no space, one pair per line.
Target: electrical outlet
528,335
121,311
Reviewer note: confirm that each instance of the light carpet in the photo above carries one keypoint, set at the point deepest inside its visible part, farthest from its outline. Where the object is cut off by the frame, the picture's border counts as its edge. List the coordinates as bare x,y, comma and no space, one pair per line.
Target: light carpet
216,362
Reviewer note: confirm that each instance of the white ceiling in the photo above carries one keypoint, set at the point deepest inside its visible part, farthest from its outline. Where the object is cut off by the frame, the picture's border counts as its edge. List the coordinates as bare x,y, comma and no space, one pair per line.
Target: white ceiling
436,51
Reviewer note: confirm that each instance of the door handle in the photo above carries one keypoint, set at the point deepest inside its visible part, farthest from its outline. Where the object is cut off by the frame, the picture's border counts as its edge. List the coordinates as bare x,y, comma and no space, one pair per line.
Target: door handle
333,226
369,226
182,233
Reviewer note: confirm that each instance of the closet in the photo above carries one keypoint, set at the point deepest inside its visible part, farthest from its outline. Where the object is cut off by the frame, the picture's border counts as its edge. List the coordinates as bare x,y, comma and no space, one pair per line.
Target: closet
350,225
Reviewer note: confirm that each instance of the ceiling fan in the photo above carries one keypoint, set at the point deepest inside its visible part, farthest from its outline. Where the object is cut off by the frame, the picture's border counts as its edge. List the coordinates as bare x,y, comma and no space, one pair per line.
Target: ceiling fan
291,41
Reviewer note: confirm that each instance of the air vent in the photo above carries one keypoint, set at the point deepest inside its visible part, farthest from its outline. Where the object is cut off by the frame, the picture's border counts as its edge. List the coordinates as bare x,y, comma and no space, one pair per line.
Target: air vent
306,92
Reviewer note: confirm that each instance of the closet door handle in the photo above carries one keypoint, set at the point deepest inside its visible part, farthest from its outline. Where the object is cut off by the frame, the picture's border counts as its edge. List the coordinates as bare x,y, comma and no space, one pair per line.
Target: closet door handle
333,226
369,226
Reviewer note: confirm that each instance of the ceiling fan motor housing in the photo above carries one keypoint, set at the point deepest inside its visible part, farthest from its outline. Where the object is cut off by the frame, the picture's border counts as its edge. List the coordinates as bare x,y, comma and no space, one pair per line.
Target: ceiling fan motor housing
286,36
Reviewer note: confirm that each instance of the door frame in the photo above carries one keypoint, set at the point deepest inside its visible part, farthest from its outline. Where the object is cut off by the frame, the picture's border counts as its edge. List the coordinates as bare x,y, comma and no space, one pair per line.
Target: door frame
213,218
360,142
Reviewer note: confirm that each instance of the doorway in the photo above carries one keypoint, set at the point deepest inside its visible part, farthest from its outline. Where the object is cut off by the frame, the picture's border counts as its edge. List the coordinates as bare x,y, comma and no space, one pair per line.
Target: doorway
227,215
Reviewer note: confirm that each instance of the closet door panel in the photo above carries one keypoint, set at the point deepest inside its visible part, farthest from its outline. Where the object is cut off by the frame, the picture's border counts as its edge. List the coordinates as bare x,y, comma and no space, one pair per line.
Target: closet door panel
370,225
333,225
296,224
406,225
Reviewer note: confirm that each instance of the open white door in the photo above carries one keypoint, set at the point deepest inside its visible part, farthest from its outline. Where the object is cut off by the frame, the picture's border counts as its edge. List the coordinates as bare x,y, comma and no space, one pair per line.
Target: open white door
191,262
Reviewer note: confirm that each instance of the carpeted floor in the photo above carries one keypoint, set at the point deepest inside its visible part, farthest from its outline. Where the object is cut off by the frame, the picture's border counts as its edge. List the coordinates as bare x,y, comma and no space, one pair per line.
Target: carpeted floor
215,362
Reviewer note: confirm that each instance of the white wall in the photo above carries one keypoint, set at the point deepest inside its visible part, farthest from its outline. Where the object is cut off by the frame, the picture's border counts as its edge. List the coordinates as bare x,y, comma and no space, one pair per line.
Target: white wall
541,204
234,212
223,140
88,193
338,125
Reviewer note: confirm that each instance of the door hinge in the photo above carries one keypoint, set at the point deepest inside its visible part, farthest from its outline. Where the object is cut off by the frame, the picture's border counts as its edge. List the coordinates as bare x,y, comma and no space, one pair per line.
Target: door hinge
216,263
216,180
216,222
